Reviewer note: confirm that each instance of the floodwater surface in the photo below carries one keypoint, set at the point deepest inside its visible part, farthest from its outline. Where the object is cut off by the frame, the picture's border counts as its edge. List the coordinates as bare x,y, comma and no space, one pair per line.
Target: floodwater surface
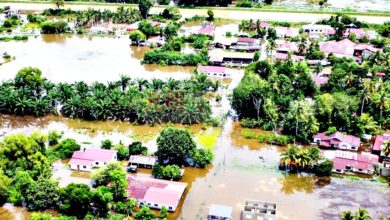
69,58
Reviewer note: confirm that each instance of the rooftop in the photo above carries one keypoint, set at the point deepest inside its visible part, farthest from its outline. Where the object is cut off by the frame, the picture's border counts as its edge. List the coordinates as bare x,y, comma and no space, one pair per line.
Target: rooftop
343,47
153,190
212,69
141,159
379,140
92,154
220,211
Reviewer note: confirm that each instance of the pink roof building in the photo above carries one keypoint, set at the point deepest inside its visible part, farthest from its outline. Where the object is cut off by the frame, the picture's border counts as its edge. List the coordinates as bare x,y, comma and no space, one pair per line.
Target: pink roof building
337,140
287,47
264,25
379,141
338,48
246,40
206,30
357,31
91,157
155,193
354,162
286,32
214,71
320,80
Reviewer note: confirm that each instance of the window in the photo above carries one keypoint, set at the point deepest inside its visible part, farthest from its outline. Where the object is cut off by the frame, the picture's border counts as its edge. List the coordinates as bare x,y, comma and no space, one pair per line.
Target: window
85,167
338,170
149,203
97,163
170,208
155,205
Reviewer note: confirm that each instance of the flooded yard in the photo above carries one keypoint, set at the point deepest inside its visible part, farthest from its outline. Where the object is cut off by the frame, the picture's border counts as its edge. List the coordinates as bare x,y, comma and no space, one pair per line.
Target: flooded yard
69,58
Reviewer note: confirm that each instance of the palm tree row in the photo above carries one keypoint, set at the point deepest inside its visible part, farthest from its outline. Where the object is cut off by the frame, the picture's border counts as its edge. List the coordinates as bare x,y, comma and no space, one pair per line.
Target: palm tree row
91,17
141,101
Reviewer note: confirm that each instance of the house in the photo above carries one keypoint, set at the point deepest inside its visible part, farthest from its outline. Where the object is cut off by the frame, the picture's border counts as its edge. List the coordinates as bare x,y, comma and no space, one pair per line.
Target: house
255,209
337,140
379,143
143,161
359,33
342,48
221,57
364,50
346,161
318,29
214,71
286,47
246,44
286,32
155,193
222,42
284,56
219,212
380,75
320,80
206,29
86,159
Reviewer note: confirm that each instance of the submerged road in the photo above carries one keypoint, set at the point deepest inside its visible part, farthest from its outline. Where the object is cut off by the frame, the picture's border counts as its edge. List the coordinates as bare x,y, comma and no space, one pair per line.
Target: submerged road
219,13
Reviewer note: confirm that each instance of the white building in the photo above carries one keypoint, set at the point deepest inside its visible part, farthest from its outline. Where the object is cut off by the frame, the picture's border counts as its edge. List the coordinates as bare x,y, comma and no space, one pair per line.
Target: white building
91,157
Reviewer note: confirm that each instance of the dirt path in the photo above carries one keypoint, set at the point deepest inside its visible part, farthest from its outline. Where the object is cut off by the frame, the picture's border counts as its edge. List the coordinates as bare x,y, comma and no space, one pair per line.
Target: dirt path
220,13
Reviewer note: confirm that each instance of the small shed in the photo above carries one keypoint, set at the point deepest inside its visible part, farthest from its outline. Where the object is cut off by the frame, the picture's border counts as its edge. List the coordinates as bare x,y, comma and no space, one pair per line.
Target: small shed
143,161
219,212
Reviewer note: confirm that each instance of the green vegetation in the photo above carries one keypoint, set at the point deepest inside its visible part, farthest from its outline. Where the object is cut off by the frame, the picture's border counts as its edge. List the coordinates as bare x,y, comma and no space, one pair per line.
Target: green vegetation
16,37
64,149
114,176
360,214
283,95
144,7
176,146
136,101
169,172
53,137
297,159
159,56
54,27
136,148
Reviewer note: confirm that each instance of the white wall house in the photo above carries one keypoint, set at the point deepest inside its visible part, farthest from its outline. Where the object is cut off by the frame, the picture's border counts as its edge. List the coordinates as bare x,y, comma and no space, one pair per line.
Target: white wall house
92,157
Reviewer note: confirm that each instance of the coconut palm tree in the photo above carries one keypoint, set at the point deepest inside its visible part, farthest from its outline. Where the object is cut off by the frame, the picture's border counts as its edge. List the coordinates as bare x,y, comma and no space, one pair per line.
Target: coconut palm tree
347,215
302,46
271,46
289,157
362,214
381,99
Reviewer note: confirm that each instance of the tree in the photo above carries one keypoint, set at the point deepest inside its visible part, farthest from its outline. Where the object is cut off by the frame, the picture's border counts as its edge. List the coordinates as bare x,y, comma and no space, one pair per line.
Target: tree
366,125
114,176
145,214
53,137
136,148
30,77
136,37
170,31
210,15
127,207
144,7
174,145
122,151
202,157
163,213
66,148
256,56
4,186
75,199
386,148
324,168
362,214
347,215
43,194
107,144
58,3
101,197
18,187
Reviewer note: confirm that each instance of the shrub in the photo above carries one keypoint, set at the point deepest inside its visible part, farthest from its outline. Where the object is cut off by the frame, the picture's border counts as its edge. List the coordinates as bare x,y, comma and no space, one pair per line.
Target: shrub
228,34
271,138
122,152
7,23
107,144
64,149
170,172
244,4
54,27
251,123
248,134
323,168
53,137
136,148
175,58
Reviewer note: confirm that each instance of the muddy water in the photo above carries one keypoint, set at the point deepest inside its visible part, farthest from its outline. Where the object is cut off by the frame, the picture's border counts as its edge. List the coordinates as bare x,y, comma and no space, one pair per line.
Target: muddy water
69,58
236,174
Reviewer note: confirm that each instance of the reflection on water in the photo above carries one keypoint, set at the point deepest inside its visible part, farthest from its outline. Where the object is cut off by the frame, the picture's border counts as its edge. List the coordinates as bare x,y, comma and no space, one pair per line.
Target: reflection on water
69,58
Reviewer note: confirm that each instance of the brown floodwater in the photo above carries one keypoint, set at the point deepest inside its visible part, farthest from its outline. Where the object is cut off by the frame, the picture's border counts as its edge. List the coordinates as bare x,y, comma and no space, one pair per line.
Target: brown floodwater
236,174
69,58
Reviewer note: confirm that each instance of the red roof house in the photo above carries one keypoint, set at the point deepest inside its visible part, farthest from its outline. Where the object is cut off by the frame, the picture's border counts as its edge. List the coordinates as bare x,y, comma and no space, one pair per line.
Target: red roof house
359,33
337,140
91,157
346,161
338,48
320,80
379,141
155,193
214,71
206,30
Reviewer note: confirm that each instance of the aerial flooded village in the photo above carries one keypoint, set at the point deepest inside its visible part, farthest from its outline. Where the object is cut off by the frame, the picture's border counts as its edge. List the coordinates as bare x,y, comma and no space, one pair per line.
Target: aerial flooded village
209,110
